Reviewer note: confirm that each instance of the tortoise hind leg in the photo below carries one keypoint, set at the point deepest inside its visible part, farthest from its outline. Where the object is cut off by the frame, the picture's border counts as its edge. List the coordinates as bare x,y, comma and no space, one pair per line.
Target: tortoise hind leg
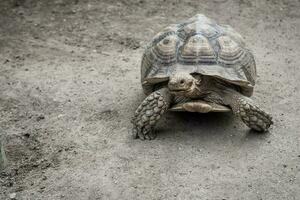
149,112
249,112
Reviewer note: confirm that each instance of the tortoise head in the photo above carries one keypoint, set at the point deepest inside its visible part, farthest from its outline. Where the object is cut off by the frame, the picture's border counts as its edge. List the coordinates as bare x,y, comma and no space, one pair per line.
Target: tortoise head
184,84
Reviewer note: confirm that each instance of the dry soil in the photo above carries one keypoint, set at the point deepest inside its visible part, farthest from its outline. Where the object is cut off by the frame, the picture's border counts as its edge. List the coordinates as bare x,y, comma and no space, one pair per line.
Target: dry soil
70,82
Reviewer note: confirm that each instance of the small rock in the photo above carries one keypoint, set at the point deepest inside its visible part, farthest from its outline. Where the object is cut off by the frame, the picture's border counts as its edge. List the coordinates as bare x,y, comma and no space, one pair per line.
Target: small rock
125,59
12,196
60,116
105,53
26,135
40,117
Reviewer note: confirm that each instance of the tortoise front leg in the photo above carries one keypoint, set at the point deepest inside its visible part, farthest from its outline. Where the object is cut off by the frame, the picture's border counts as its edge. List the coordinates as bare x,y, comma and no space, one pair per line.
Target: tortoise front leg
149,112
249,112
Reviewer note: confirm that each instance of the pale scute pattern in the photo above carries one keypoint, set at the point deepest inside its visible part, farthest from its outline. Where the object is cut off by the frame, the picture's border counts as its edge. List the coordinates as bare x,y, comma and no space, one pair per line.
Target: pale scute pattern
197,49
165,51
230,51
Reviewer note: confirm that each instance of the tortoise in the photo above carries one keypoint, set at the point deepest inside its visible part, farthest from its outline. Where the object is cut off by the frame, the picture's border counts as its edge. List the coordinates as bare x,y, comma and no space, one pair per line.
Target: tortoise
197,66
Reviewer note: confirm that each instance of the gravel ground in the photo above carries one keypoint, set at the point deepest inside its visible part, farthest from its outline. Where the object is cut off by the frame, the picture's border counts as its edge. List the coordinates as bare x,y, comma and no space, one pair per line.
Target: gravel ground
70,82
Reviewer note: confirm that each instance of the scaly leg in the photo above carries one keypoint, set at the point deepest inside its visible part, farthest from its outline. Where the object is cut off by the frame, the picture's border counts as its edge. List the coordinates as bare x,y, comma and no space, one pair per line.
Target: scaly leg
149,112
250,113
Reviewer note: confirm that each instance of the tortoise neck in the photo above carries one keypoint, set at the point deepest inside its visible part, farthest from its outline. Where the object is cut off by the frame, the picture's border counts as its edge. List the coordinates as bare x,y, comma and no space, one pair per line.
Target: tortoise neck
215,90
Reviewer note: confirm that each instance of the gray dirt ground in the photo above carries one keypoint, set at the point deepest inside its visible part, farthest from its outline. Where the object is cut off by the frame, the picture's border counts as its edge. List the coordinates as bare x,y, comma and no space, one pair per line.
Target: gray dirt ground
70,81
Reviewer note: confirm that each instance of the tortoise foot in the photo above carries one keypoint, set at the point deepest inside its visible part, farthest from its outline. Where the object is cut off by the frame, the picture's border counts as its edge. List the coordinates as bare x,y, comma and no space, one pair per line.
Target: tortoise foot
253,116
148,113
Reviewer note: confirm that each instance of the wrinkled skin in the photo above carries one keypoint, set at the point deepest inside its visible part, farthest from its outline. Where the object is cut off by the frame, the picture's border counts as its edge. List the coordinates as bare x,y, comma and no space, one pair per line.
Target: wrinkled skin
196,87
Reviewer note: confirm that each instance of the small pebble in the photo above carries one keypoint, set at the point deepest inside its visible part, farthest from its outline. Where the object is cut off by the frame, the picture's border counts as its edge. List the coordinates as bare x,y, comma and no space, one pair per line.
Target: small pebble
12,196
40,117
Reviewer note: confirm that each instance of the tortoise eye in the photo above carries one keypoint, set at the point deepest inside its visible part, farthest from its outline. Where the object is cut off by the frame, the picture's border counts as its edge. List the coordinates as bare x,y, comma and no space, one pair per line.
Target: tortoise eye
181,81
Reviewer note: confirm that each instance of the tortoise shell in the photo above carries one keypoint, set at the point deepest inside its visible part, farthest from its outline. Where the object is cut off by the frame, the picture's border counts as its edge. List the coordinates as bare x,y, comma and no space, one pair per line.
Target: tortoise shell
198,46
